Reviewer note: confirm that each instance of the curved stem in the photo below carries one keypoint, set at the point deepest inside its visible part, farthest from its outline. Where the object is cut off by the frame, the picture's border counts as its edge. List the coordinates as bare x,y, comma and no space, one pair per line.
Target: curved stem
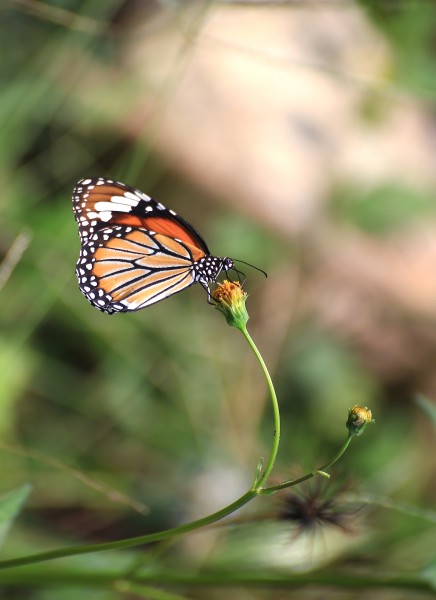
255,490
270,464
320,471
130,542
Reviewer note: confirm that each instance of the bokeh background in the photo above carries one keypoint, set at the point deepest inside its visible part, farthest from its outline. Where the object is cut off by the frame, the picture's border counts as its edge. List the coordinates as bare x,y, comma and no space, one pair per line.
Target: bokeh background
299,136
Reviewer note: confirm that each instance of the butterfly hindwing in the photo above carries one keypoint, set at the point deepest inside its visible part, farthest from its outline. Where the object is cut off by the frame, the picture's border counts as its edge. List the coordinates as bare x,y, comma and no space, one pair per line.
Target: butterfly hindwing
123,268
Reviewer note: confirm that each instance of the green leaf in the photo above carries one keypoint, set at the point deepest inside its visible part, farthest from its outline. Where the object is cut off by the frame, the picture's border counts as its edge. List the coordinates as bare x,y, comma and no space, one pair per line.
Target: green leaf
427,407
10,505
429,574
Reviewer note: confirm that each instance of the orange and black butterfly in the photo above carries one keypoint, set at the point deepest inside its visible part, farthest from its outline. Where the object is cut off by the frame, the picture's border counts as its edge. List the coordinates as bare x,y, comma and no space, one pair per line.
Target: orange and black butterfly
135,251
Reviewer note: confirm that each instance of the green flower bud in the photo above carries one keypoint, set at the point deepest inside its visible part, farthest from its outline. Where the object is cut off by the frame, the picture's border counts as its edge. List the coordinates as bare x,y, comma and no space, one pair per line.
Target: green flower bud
230,300
358,419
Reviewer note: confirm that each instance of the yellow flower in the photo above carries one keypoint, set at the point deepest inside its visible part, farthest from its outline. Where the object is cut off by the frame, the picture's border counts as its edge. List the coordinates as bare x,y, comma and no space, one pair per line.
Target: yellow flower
230,300
358,419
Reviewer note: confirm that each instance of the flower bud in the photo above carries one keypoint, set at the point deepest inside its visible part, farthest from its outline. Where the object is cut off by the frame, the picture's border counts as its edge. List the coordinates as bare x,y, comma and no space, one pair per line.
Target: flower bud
230,300
358,419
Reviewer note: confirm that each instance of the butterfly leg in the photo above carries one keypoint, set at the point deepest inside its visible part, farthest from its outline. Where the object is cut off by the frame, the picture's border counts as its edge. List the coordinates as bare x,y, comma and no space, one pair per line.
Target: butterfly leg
239,273
209,297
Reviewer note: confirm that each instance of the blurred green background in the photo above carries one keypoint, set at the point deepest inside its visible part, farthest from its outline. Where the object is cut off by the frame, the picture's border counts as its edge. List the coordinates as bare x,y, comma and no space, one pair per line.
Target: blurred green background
298,136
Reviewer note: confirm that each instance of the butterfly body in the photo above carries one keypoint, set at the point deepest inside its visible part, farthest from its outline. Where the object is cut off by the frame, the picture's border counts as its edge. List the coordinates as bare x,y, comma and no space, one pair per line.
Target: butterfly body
136,252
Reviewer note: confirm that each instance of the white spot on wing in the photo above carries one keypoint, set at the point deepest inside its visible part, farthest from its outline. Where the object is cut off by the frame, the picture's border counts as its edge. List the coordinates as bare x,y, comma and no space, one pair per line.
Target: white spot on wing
127,200
132,196
109,206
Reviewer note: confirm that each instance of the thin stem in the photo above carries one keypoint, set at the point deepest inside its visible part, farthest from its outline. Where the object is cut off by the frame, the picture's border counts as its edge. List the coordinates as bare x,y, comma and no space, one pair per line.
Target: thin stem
130,542
103,577
151,593
176,531
276,441
320,471
339,454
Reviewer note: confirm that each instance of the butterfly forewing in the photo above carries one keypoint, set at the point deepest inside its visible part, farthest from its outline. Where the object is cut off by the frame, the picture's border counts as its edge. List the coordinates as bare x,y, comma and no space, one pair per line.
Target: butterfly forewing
100,202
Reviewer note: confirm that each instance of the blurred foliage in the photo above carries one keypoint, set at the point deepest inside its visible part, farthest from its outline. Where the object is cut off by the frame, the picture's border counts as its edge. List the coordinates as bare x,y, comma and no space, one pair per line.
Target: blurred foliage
10,505
411,30
161,412
383,210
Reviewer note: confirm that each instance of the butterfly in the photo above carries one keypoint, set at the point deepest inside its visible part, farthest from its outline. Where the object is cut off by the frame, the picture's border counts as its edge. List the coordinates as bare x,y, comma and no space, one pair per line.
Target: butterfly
135,251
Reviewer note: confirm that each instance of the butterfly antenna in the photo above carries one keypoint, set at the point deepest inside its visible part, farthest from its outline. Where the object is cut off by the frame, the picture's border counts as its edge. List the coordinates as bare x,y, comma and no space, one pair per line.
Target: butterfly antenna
250,265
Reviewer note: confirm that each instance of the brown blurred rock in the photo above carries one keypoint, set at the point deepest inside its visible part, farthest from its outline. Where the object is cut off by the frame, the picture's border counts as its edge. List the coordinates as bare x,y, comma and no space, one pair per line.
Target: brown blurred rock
264,108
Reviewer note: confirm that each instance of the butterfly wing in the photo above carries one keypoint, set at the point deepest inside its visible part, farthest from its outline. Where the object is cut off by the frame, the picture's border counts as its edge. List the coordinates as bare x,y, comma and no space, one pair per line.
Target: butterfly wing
124,269
100,202
135,252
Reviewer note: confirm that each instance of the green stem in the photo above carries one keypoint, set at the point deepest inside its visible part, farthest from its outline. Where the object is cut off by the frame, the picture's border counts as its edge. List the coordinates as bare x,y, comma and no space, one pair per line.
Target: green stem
130,542
320,471
176,531
104,577
276,441
148,592
339,454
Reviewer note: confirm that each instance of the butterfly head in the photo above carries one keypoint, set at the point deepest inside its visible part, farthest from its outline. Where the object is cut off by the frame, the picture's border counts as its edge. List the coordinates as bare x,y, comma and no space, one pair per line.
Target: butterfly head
209,268
227,264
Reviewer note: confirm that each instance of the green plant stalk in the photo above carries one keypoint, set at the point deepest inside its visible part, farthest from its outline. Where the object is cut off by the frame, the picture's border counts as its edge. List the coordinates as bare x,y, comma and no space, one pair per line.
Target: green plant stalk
255,490
320,471
130,542
260,481
102,578
150,593
176,531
